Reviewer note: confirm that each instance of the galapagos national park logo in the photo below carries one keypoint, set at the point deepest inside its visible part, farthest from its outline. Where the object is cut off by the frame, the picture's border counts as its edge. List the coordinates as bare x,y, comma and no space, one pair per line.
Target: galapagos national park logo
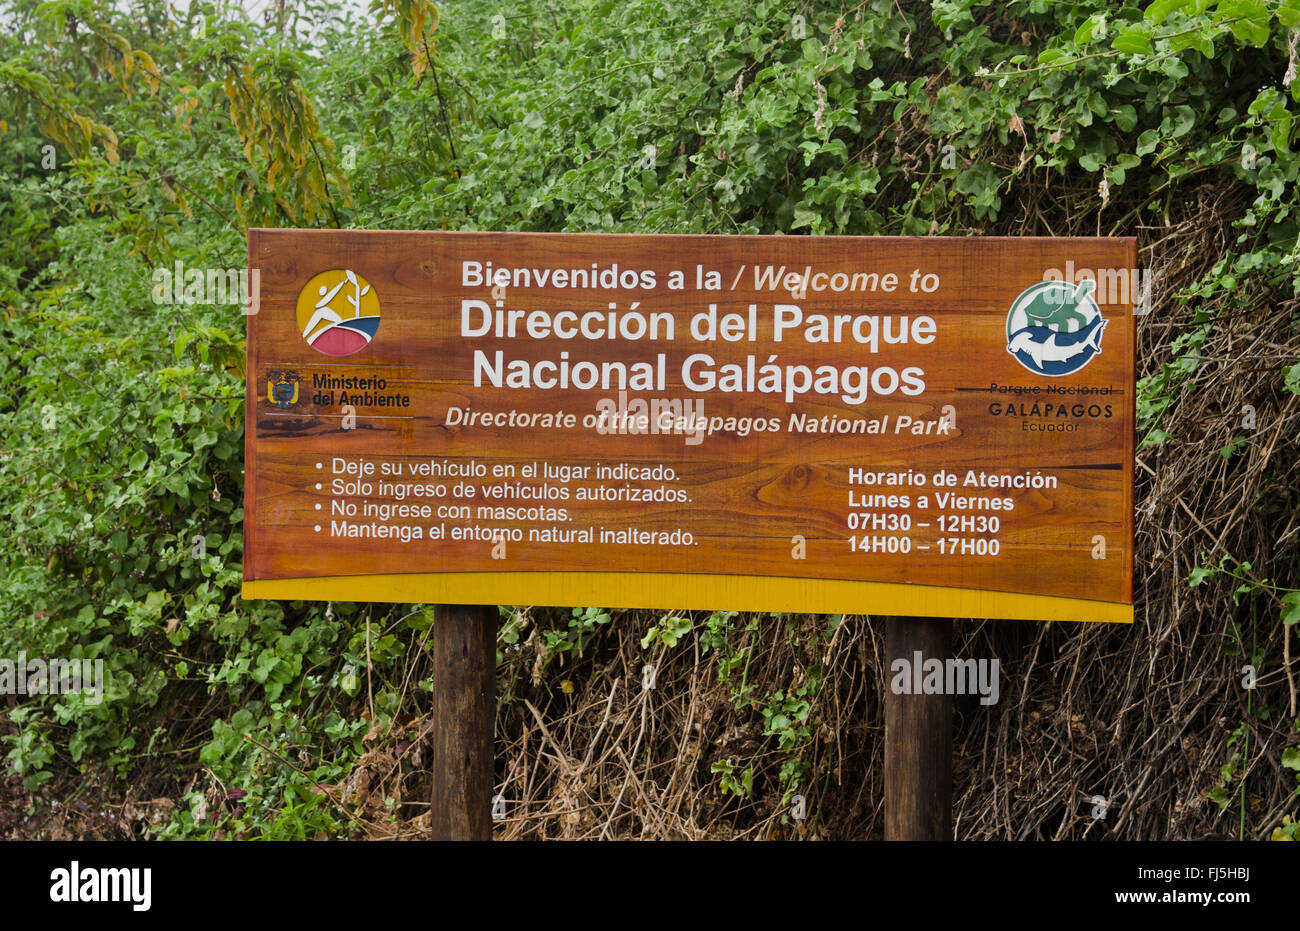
1054,328
338,312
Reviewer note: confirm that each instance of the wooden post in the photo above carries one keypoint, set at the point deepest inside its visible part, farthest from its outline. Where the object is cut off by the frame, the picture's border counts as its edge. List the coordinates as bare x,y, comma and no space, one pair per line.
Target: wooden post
918,737
464,708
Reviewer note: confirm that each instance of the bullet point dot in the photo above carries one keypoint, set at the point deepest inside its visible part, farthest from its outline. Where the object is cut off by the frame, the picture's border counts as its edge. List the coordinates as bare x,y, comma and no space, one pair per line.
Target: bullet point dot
318,507
319,465
318,528
318,486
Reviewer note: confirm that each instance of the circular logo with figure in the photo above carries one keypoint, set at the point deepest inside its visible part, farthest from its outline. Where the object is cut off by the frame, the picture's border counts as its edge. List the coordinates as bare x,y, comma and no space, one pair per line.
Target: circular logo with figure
1054,327
338,312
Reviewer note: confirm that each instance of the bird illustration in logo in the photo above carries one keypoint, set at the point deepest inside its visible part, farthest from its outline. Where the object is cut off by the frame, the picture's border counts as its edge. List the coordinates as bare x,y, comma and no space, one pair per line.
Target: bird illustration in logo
1054,328
338,312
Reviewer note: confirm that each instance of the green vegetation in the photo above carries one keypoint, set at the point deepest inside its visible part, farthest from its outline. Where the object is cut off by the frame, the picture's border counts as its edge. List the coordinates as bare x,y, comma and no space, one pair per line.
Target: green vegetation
133,141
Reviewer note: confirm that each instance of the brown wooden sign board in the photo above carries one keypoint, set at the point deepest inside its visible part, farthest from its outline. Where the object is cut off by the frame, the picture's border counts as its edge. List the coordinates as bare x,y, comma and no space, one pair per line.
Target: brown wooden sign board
918,426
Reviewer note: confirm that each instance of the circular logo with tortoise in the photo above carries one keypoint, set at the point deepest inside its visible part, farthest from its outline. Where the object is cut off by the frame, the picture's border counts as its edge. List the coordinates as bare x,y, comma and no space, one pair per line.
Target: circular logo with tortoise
1054,328
338,312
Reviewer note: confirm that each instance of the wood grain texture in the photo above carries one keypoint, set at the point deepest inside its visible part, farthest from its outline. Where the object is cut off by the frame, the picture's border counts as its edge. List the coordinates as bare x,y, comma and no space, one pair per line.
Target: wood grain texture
918,738
464,709
749,496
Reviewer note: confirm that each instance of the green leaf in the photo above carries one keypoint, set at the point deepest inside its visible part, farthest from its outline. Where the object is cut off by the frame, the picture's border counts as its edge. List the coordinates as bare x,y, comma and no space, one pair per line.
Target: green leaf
1280,135
1291,758
1291,378
805,216
1159,10
1248,20
1291,608
1262,102
1133,41
1180,120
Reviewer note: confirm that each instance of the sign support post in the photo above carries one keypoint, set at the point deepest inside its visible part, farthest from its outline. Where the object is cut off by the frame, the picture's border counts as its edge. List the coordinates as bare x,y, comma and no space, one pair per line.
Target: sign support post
918,736
464,713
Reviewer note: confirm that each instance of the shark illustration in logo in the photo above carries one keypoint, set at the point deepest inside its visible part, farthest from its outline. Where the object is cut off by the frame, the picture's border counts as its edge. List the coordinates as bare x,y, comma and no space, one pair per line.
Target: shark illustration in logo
1046,345
1039,327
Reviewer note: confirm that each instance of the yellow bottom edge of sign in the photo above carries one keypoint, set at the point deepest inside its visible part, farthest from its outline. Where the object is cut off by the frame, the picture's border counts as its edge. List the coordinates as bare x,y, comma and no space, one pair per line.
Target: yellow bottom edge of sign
687,591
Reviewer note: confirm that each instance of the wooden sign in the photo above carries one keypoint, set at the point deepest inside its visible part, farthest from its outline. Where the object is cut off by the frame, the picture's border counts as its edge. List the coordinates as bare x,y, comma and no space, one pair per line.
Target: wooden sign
914,426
